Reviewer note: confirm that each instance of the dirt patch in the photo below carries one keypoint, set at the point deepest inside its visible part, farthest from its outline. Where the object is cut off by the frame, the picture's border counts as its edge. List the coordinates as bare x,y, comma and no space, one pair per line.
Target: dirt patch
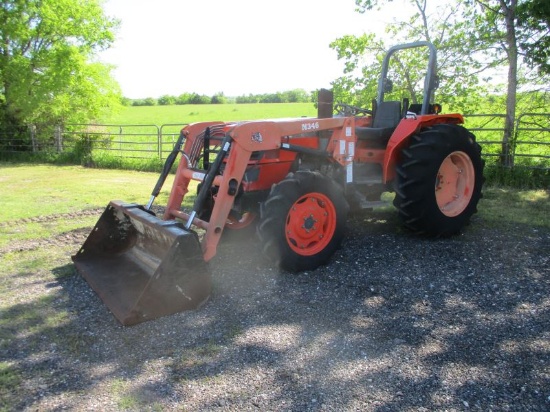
393,322
72,237
49,218
76,236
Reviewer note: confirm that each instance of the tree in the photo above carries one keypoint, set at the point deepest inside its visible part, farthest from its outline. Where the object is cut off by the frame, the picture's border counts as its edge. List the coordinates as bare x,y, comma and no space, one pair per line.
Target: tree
247,99
494,38
183,98
199,99
296,96
166,100
218,98
497,31
533,19
363,56
518,32
47,67
362,60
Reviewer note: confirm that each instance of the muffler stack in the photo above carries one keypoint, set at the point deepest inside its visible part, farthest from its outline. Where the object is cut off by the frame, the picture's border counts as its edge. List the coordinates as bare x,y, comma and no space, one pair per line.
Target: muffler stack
143,267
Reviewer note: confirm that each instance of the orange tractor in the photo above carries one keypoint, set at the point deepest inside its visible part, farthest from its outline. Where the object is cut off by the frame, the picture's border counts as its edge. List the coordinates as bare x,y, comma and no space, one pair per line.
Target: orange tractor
295,181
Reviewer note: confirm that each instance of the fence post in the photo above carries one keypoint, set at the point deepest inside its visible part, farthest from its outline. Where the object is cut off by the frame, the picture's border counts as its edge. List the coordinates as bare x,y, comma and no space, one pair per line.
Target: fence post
507,141
515,138
159,141
58,139
34,144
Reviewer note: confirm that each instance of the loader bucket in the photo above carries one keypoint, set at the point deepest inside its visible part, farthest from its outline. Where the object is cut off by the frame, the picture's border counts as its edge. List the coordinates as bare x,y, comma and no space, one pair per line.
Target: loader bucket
143,267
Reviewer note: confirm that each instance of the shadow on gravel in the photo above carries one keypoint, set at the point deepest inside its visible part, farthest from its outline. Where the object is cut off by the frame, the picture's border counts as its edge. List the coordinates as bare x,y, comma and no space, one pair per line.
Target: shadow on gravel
394,322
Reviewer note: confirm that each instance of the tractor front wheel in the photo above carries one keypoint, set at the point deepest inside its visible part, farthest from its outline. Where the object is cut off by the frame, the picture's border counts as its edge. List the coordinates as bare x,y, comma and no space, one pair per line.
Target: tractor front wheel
302,222
439,180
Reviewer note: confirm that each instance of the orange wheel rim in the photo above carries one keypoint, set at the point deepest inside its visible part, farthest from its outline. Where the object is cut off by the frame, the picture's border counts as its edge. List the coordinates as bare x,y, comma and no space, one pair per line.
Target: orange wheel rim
310,224
454,184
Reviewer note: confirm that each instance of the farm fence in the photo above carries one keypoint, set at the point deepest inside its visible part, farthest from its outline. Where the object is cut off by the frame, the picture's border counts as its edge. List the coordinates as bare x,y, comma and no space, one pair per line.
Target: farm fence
530,146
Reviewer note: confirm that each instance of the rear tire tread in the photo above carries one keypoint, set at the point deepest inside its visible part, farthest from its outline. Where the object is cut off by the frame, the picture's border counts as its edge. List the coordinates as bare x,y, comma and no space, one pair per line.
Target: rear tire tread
416,176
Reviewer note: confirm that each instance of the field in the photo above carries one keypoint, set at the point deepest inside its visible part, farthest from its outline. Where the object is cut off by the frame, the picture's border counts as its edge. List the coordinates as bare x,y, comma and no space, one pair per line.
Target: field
393,322
184,114
134,137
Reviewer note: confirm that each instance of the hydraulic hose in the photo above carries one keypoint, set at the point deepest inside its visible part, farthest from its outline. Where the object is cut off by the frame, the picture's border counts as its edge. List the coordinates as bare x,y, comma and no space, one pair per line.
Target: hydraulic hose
165,170
209,179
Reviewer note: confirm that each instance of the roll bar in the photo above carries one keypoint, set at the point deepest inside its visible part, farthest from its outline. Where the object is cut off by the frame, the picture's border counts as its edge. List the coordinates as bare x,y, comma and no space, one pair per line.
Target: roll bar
430,81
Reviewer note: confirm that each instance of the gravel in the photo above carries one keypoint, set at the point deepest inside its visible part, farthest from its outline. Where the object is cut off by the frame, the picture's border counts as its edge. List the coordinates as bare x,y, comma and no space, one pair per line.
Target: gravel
394,323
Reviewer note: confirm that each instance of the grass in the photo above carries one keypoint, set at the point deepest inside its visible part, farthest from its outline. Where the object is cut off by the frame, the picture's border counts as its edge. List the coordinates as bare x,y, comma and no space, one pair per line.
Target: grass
520,176
120,387
30,191
502,205
185,114
10,378
41,190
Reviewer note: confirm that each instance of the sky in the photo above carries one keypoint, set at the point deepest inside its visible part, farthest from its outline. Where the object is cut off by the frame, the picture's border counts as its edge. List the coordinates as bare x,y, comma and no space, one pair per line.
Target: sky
236,47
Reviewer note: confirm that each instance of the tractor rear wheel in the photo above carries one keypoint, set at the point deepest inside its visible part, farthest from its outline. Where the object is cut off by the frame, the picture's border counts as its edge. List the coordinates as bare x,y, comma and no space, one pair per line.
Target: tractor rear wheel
302,222
439,180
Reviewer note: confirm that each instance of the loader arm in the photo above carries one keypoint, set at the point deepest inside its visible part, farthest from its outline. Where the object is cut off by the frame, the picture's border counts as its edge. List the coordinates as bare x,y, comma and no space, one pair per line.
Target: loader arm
245,139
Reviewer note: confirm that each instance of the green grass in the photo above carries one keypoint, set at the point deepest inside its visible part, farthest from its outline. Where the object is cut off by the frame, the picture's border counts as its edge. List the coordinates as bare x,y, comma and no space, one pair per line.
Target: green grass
520,177
41,190
500,206
10,378
185,114
29,191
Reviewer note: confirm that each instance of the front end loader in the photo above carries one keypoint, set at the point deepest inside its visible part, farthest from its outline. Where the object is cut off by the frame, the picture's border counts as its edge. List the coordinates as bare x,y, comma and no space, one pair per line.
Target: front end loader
293,180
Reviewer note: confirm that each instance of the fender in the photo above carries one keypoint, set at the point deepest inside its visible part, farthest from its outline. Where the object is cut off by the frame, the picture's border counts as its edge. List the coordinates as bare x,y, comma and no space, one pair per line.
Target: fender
405,129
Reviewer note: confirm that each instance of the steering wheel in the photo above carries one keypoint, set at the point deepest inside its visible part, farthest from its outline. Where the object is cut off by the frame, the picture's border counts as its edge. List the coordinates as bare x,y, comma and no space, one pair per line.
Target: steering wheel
343,109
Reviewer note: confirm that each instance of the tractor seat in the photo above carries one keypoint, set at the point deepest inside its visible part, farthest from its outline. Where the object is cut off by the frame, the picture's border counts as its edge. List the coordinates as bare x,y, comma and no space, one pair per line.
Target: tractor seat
386,118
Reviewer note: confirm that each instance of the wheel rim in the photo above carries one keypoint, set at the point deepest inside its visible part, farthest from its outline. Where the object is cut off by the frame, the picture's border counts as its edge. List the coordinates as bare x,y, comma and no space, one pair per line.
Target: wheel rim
454,184
310,224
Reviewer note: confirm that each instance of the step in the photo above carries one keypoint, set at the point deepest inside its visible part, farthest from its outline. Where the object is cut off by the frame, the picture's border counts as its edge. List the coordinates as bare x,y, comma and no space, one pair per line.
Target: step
368,180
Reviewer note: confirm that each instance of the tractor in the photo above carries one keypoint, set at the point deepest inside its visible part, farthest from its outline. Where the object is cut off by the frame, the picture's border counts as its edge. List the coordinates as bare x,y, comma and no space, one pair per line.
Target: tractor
294,181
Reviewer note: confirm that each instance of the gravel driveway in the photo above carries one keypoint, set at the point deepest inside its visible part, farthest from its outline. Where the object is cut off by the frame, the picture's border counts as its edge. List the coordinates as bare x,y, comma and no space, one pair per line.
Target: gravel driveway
394,323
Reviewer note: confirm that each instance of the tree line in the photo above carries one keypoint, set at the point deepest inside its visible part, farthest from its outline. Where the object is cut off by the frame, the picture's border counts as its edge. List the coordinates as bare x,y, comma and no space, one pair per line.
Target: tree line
290,96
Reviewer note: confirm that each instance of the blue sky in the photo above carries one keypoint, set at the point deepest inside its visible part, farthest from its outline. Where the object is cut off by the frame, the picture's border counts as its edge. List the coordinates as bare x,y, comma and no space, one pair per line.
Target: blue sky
233,46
